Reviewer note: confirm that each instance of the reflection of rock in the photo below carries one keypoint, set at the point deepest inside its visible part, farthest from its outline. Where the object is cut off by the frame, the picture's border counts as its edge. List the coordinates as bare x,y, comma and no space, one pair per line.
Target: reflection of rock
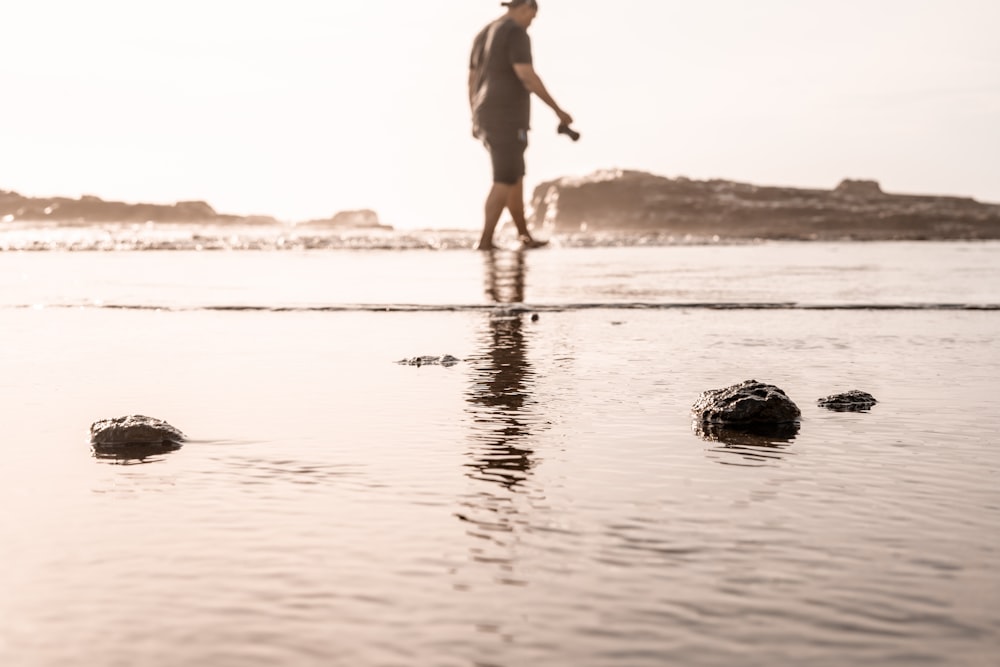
753,435
133,430
446,360
747,404
750,445
634,200
134,452
849,401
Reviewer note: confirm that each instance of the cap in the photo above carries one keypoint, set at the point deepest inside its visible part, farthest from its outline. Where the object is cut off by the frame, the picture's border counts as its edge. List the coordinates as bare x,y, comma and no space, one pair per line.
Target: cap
517,3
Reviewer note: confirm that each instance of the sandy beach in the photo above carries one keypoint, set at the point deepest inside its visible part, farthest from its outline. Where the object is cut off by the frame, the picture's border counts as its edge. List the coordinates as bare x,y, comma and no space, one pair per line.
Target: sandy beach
368,335
545,501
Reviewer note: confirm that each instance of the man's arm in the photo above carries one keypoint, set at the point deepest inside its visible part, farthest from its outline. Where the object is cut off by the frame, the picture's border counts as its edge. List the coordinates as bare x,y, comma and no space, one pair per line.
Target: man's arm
526,73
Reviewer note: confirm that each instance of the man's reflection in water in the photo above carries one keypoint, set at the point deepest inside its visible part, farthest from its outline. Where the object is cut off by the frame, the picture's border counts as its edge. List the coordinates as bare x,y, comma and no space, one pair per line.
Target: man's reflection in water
500,393
504,422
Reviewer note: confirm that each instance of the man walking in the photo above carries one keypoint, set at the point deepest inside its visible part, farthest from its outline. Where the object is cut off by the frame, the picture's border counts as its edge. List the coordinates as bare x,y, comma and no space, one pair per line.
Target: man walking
501,81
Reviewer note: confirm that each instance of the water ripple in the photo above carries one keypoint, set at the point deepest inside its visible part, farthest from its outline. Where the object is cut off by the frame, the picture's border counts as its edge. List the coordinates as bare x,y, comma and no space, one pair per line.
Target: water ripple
511,311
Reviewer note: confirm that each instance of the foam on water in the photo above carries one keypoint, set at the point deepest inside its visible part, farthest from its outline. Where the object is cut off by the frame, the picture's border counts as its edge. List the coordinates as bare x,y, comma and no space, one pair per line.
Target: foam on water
164,237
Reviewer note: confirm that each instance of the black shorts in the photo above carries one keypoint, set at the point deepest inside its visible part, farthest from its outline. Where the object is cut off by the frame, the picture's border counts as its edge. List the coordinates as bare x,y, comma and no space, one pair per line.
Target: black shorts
506,147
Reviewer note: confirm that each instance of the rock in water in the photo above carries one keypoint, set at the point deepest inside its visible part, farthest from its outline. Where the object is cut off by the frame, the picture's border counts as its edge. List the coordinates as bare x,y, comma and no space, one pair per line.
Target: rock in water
747,404
133,430
849,401
427,360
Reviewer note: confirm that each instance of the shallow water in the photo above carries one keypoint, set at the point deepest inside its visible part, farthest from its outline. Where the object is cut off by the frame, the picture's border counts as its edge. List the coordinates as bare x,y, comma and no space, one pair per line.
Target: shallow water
888,275
544,502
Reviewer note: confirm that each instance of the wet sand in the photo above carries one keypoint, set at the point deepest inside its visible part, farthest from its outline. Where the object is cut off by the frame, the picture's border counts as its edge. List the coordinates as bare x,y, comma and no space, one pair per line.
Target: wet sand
546,501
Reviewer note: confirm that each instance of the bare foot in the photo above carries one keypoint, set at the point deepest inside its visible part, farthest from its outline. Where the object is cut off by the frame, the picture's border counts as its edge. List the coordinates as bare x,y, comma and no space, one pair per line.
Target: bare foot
527,243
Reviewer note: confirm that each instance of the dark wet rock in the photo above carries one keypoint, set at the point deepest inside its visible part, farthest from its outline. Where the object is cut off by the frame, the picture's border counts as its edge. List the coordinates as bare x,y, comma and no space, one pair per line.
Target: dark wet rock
747,405
854,400
133,430
617,200
445,360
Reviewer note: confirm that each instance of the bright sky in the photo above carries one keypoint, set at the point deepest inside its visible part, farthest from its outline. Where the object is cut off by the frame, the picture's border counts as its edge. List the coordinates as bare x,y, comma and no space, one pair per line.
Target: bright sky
301,108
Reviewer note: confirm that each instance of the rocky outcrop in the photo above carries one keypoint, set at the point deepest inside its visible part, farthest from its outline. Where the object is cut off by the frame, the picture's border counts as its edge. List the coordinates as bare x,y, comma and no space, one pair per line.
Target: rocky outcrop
855,209
860,189
133,430
748,405
360,219
89,209
854,400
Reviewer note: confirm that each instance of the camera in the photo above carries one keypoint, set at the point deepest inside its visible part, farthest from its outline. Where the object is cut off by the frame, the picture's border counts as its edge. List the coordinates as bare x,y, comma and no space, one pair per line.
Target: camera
568,131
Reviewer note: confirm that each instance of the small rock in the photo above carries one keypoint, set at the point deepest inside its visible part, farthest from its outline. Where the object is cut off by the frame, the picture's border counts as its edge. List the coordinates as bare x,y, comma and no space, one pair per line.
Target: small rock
749,403
849,401
446,360
534,317
133,430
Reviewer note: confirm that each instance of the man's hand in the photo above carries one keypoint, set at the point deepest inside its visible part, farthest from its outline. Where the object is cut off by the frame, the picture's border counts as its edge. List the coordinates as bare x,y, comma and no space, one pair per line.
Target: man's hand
526,73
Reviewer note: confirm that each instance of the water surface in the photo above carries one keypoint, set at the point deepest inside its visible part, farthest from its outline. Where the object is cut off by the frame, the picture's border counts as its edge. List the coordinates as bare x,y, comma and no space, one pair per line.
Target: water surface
544,502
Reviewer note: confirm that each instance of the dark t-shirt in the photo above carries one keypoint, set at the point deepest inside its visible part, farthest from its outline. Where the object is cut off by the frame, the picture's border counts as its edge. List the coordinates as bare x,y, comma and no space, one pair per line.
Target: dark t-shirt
499,99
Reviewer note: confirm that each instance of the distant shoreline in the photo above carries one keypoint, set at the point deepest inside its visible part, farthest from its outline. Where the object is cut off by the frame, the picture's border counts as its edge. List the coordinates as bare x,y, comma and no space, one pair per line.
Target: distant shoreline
678,210
90,210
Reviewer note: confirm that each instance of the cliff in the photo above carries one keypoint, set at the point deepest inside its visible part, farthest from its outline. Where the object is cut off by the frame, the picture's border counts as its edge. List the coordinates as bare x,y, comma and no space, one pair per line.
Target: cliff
89,210
639,201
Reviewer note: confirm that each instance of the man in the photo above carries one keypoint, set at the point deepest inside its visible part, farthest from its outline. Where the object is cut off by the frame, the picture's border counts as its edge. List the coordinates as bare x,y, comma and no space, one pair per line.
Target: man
501,81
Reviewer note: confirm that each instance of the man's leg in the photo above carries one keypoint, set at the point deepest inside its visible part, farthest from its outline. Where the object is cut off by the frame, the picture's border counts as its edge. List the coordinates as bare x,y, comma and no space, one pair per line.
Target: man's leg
515,204
495,203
